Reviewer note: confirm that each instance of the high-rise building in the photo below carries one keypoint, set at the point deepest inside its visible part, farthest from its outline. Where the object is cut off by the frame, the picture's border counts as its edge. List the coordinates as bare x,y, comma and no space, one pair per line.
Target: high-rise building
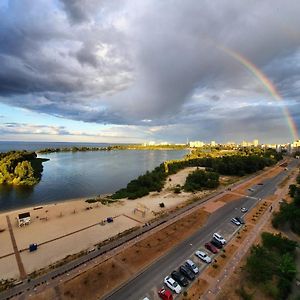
255,143
213,144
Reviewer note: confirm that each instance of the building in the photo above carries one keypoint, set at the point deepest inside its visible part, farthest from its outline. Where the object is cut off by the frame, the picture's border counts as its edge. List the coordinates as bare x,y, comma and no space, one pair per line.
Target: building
196,144
294,147
255,143
213,144
24,219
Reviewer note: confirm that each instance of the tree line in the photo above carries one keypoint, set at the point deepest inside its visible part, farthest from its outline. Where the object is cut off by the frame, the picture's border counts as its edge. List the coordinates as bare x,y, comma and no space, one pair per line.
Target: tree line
227,165
289,213
272,266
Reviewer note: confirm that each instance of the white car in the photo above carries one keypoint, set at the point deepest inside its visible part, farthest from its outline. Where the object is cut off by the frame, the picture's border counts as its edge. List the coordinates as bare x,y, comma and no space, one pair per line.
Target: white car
244,209
219,238
172,284
203,256
191,265
235,221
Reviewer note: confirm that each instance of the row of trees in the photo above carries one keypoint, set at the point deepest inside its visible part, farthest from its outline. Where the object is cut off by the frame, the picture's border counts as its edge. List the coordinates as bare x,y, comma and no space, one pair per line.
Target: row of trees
227,165
20,168
289,213
272,266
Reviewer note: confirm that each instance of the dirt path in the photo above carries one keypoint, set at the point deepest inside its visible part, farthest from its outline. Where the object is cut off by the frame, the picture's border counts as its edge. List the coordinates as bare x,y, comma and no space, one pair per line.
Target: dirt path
22,271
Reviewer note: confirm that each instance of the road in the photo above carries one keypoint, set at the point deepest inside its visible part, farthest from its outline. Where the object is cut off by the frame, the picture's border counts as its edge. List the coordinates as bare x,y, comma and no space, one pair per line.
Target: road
148,282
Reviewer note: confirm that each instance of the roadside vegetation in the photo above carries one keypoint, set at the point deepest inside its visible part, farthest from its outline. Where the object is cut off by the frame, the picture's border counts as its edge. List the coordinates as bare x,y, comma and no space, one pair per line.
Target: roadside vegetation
200,179
271,266
241,164
289,213
20,168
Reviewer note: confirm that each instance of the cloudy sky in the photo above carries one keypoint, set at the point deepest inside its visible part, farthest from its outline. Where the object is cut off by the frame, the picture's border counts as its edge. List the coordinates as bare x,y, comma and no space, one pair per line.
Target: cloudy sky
136,71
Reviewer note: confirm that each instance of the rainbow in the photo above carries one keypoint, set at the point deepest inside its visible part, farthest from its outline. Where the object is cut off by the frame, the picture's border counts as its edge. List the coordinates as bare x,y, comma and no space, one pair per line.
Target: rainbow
267,83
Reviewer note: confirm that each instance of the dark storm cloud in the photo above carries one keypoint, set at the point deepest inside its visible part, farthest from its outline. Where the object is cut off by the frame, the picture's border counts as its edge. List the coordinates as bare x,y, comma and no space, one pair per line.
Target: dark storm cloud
124,62
75,10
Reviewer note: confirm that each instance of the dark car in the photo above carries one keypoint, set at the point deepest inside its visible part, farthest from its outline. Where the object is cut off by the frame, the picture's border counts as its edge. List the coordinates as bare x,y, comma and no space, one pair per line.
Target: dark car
187,272
240,219
179,278
216,243
211,248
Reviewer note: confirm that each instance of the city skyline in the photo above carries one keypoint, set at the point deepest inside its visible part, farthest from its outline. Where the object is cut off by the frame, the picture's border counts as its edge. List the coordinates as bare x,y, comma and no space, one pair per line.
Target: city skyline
136,71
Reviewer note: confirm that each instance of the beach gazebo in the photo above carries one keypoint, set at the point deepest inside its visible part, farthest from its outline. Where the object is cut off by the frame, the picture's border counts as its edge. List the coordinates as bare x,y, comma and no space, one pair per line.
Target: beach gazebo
24,219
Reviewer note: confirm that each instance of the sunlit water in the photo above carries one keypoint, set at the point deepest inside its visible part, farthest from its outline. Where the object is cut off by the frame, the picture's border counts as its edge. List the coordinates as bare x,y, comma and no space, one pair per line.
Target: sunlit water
82,174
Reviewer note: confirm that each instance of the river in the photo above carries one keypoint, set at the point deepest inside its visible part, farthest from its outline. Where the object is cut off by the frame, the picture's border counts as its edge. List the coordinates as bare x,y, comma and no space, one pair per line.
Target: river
71,175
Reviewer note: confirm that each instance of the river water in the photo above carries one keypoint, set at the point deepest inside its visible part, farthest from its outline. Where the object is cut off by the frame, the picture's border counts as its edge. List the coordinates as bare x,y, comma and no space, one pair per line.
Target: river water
71,175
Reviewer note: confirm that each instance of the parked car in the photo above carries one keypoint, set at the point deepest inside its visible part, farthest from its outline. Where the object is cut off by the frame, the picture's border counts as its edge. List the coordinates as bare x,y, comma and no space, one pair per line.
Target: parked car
172,284
219,238
187,272
244,209
203,256
165,294
235,221
251,190
192,266
209,246
179,278
240,219
260,183
216,243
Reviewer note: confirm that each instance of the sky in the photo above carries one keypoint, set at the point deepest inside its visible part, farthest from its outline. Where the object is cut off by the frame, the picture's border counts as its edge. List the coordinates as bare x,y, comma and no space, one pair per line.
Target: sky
136,71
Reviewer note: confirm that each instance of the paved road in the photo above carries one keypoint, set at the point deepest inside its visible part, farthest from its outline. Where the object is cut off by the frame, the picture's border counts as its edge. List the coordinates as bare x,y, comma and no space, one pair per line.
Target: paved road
147,283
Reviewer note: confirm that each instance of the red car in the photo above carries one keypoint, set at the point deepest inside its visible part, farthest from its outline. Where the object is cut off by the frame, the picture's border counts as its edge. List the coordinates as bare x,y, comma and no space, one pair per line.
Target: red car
211,248
165,294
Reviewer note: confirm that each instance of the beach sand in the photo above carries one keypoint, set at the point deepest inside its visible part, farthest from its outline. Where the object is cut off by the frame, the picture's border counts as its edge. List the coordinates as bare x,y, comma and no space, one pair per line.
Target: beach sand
68,227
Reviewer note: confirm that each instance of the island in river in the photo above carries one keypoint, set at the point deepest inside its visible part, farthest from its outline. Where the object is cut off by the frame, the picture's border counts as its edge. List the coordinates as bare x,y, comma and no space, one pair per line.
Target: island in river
20,168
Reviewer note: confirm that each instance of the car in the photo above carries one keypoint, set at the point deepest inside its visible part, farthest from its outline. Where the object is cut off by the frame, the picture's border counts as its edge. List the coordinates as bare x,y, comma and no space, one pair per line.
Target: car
235,221
244,209
146,298
251,190
219,238
216,243
192,266
203,256
260,183
165,294
179,278
240,219
172,284
209,246
186,272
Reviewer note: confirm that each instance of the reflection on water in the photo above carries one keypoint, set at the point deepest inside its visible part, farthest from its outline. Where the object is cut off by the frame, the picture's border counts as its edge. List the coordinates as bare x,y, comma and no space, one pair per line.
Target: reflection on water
83,174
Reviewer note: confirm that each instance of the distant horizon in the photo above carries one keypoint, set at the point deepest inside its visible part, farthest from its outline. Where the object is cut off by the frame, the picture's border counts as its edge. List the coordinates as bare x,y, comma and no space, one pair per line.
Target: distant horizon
146,142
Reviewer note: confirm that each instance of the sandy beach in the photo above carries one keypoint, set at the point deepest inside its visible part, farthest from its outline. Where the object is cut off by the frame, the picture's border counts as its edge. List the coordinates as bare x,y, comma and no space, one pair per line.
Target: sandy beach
68,227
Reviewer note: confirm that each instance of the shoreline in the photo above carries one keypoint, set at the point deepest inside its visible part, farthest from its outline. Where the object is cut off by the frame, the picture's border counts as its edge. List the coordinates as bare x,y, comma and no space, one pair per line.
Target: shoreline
54,203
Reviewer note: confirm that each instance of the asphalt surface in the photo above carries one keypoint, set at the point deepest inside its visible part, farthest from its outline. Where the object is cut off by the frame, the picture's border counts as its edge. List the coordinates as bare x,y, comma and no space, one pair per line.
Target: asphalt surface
148,282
